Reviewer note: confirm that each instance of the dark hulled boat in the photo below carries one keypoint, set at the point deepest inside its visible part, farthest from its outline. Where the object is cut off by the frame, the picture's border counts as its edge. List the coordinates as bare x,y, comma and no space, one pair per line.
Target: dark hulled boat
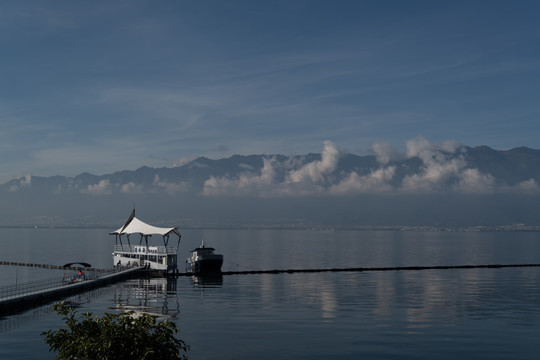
203,260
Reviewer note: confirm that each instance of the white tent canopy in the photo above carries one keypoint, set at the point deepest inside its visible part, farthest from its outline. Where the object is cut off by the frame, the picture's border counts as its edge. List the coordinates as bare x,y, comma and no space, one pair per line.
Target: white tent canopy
136,226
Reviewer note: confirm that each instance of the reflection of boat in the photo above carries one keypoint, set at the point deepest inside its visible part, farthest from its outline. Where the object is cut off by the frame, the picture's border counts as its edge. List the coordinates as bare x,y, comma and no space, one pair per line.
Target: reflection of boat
149,295
204,261
207,280
162,258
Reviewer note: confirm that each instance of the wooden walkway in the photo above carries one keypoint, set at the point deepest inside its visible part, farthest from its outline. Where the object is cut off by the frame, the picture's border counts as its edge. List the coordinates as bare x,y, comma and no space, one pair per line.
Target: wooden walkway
14,299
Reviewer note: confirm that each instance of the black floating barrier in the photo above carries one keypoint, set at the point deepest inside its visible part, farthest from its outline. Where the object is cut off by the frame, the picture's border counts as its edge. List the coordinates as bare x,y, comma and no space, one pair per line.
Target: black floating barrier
366,269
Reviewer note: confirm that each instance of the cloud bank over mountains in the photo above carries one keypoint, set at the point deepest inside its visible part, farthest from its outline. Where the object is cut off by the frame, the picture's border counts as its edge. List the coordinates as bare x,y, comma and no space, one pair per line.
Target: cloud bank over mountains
427,183
425,168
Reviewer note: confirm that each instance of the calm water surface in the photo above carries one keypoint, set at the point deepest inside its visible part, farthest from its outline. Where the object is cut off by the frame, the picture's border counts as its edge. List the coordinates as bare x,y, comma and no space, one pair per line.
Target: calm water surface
431,314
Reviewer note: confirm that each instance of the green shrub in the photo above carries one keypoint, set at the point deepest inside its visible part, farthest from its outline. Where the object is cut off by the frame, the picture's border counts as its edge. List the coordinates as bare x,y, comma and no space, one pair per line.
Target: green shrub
114,336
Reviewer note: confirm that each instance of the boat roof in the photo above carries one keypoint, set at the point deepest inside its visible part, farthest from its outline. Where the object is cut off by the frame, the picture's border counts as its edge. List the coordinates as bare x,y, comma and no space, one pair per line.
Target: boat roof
135,226
203,248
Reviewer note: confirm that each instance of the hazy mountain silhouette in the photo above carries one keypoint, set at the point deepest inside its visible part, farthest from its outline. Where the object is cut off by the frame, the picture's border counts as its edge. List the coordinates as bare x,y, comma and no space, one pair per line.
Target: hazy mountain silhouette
429,185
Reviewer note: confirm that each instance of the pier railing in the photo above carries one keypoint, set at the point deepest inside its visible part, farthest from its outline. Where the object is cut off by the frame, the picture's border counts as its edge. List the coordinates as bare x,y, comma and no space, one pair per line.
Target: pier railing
17,297
38,286
30,287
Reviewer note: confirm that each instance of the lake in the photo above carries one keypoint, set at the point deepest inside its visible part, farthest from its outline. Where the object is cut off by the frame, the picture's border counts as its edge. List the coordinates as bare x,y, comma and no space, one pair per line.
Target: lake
429,314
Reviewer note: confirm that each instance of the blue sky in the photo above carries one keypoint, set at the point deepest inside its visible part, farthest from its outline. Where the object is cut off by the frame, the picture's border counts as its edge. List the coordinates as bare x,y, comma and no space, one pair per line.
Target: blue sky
101,86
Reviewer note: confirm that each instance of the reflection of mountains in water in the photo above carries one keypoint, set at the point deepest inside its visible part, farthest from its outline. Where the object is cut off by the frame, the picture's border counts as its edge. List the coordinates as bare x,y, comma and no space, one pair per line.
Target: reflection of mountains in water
207,280
154,296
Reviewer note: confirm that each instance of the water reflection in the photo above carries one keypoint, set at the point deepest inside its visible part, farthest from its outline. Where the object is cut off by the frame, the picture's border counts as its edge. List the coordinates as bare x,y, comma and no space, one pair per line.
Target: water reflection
12,322
207,281
155,296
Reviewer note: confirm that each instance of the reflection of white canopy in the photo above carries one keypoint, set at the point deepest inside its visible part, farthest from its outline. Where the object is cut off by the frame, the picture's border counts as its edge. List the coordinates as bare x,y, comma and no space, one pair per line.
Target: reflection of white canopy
136,226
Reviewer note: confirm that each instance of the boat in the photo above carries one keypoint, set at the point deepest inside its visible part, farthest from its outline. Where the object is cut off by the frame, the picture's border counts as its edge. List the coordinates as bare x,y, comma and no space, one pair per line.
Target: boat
203,260
156,257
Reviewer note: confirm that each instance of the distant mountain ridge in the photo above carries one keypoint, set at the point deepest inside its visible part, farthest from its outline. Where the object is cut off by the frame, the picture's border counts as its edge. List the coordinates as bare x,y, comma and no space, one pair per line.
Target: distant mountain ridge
506,168
428,185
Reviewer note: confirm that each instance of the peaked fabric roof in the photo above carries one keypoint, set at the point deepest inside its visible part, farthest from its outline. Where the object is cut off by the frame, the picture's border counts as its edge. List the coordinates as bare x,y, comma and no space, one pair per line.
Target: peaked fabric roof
136,226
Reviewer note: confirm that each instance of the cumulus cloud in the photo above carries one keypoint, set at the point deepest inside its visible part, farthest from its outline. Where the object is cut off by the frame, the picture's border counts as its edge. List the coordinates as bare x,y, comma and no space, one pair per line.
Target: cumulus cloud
525,187
375,182
424,149
246,184
425,167
295,177
436,174
103,187
472,181
299,179
385,153
316,171
443,168
131,188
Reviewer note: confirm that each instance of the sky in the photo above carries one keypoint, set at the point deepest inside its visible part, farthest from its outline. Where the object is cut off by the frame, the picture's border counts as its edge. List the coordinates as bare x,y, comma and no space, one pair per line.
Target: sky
102,86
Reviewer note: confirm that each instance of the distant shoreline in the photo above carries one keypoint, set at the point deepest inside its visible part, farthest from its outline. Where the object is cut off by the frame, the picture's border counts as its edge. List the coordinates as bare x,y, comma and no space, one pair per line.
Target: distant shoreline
310,227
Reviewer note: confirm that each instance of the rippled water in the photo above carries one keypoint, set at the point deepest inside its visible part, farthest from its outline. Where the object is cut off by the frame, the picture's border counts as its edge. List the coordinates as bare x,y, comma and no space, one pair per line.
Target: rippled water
429,314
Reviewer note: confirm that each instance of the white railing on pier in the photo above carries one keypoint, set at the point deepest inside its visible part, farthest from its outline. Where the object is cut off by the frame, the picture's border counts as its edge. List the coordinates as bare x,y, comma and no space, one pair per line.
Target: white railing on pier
37,286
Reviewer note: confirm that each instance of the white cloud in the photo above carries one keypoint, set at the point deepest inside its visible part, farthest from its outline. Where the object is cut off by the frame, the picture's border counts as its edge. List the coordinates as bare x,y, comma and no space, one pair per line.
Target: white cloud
436,174
442,170
376,181
385,153
474,182
315,172
101,188
525,187
26,180
299,180
424,149
131,188
246,183
528,185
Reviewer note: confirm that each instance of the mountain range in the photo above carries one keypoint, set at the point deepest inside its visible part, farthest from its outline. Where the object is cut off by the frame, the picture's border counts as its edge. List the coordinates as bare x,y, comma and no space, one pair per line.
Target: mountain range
443,185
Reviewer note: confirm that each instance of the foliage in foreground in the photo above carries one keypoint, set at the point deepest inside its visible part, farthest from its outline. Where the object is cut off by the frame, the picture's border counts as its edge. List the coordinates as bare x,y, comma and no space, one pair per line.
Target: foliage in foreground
114,336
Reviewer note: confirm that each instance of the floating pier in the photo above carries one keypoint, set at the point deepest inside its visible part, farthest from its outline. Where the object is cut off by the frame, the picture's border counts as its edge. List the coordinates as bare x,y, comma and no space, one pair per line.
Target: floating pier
16,298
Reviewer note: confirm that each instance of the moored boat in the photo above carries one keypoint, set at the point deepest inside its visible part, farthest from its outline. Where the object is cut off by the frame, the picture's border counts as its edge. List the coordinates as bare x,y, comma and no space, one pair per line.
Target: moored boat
203,260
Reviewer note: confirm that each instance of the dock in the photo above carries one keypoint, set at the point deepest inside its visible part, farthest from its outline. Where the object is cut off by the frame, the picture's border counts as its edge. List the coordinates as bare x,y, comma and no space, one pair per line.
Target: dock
19,297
